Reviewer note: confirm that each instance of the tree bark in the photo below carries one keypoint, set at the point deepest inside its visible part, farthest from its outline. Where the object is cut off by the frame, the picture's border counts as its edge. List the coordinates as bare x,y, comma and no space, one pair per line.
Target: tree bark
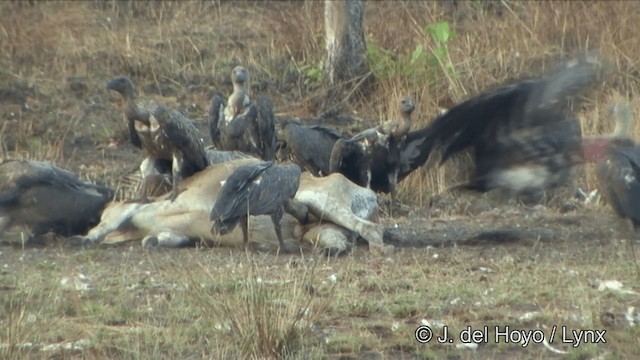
346,64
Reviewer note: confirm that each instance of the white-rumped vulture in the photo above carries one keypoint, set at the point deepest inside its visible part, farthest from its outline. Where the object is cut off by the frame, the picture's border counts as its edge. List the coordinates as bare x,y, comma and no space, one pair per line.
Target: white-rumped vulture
398,128
522,136
380,157
170,140
45,198
262,188
618,167
239,123
132,111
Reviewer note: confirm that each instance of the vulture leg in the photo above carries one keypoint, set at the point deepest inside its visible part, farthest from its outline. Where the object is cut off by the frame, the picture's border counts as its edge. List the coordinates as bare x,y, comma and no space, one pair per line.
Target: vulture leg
276,218
178,161
298,210
531,197
393,182
244,224
365,175
147,169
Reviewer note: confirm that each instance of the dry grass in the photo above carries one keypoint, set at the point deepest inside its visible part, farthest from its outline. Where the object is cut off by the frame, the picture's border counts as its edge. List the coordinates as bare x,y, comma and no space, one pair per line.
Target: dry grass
207,304
213,304
167,47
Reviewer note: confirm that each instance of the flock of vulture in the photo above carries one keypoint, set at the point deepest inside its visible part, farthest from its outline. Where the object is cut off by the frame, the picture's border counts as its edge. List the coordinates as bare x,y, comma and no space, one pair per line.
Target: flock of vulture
522,138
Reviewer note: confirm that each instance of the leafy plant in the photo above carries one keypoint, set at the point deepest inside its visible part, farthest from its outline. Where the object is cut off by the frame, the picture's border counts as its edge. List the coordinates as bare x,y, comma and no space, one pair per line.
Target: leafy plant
441,33
313,73
419,65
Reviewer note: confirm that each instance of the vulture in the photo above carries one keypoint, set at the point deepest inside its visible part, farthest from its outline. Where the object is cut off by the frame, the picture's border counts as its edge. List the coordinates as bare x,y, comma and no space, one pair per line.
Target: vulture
397,129
618,167
135,116
310,146
380,157
170,140
522,137
241,124
262,188
45,198
352,157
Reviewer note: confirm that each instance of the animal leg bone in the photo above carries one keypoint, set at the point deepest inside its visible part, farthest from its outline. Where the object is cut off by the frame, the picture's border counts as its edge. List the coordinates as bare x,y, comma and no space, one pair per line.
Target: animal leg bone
112,218
327,207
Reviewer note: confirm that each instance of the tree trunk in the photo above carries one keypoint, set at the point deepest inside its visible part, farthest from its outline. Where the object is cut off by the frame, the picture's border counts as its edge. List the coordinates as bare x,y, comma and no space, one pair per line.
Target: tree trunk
346,64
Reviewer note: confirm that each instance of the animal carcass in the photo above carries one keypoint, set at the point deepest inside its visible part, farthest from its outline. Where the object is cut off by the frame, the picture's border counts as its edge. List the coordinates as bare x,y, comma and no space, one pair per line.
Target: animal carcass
333,201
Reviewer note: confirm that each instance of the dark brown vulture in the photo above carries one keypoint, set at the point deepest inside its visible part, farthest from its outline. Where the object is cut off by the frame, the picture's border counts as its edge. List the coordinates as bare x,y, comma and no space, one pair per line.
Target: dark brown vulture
45,198
241,124
352,157
618,171
310,146
170,141
262,188
523,138
132,112
380,157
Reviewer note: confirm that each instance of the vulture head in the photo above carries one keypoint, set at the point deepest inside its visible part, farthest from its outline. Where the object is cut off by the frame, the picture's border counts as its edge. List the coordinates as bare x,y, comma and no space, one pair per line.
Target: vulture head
399,128
407,105
239,75
122,85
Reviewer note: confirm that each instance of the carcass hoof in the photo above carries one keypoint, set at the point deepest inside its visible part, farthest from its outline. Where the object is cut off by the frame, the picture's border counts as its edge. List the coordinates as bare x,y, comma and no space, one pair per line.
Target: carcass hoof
150,242
79,241
166,238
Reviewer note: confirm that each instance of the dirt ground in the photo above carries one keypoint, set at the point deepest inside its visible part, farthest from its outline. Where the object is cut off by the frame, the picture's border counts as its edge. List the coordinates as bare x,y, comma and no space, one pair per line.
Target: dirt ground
460,260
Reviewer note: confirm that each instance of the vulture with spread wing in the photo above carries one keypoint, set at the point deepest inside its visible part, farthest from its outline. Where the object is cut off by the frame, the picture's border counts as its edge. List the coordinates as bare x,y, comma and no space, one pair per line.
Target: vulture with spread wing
522,136
240,124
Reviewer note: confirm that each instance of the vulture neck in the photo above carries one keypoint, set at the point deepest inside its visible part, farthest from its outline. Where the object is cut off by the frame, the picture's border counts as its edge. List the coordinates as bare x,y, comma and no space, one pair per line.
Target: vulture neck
132,111
594,148
236,101
240,87
623,122
623,126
